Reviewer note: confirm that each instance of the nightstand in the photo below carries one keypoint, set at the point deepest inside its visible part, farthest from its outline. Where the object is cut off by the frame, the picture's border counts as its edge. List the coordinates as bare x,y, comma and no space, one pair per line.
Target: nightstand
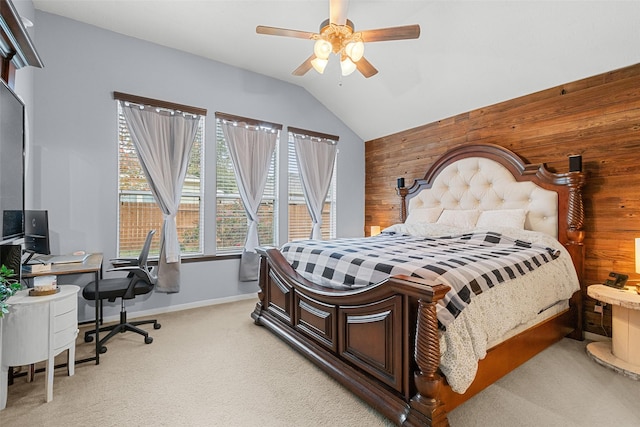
622,354
39,328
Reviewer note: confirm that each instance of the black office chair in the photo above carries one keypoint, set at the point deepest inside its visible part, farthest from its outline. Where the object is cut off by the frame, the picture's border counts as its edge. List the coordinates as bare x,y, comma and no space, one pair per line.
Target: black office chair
139,280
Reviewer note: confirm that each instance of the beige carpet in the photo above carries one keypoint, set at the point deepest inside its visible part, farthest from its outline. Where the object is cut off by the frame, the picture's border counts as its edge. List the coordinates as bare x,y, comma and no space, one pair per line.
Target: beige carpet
206,367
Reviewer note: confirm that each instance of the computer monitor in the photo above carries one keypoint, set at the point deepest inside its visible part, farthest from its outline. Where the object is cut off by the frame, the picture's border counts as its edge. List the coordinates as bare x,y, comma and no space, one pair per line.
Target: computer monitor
36,231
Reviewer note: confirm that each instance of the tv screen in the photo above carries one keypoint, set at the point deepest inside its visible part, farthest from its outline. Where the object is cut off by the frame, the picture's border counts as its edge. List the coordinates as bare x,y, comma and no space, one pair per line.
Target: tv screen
11,164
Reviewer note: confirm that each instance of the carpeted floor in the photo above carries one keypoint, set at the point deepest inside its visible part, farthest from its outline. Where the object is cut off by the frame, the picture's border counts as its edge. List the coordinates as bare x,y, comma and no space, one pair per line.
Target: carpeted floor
212,366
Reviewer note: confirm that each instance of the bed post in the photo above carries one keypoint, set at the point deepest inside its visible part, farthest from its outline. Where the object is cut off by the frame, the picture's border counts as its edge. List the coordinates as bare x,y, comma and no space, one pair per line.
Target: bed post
402,192
575,212
575,241
426,408
263,277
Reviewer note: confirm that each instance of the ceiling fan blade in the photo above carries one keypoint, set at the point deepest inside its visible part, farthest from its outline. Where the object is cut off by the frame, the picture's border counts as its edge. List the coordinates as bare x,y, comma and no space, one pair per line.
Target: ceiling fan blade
304,67
338,11
273,31
392,33
366,68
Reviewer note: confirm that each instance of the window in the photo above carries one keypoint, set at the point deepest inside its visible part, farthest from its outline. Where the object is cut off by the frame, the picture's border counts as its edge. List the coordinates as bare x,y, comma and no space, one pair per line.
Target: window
231,218
299,219
138,212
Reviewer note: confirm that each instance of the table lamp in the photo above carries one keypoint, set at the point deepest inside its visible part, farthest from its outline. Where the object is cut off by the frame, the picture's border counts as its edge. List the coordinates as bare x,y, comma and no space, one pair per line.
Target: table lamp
375,230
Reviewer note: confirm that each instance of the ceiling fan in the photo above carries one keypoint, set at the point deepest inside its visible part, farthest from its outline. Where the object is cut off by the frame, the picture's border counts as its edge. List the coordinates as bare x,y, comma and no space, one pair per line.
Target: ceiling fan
337,35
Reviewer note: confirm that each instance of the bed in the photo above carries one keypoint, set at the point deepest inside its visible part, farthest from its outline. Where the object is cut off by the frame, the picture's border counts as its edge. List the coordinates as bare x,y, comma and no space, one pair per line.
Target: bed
386,341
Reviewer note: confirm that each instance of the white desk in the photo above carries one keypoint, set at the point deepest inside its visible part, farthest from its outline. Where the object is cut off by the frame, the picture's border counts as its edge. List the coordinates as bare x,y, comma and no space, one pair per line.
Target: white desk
38,328
623,353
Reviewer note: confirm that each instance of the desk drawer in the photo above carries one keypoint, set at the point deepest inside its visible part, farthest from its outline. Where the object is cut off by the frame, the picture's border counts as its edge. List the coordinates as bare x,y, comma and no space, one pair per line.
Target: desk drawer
65,305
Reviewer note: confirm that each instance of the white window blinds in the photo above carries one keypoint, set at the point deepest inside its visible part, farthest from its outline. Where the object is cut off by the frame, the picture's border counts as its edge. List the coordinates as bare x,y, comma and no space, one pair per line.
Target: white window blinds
300,224
138,212
231,218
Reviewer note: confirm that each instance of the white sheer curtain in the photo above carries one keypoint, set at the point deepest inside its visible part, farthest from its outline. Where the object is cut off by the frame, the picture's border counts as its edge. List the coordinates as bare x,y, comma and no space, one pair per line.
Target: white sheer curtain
316,158
251,149
163,140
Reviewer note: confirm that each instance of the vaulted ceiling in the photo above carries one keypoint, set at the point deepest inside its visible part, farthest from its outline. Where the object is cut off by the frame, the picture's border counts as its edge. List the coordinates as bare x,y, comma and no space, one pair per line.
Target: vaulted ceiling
470,53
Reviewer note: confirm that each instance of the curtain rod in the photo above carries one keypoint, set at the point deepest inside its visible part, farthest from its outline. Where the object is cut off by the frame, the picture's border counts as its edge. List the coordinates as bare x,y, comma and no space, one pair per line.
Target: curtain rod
313,134
157,103
252,122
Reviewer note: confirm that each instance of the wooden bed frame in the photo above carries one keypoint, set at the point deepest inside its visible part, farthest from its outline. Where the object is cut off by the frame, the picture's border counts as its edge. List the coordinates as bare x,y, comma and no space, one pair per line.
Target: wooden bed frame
382,343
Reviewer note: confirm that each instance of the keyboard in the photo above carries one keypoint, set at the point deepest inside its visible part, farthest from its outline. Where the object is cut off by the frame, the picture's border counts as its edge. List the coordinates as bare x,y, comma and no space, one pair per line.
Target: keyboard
62,259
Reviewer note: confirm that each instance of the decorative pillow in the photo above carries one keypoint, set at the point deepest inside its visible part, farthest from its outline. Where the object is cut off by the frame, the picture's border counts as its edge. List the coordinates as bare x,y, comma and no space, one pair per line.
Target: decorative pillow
504,218
418,215
461,218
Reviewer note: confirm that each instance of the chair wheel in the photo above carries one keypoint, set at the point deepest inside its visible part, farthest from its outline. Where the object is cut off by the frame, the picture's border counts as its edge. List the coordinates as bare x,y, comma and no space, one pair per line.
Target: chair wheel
157,326
88,338
148,340
103,350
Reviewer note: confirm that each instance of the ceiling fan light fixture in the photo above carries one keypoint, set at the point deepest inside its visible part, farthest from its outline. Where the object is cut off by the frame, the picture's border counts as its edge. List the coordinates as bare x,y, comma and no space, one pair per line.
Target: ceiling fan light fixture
322,48
319,64
337,35
347,66
355,50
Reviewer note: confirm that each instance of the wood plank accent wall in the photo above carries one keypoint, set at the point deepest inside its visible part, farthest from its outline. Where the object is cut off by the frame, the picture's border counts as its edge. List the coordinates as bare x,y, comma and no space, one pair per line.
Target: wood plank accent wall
597,117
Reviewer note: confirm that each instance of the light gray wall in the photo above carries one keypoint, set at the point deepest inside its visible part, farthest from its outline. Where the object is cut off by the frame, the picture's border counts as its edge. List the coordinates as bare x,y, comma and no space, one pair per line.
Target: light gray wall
73,152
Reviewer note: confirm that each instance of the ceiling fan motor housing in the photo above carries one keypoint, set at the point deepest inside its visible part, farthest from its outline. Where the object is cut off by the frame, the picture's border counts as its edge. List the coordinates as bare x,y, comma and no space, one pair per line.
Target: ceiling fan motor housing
338,35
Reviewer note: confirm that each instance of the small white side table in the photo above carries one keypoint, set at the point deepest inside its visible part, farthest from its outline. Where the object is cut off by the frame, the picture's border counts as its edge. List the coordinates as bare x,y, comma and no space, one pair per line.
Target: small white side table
623,353
38,328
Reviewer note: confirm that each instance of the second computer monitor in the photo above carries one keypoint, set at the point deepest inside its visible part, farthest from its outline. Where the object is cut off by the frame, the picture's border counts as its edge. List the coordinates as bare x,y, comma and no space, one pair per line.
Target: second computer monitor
36,231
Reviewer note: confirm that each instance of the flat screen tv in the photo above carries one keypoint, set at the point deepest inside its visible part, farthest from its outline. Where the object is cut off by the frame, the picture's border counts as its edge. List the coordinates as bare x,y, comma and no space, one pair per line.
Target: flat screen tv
11,164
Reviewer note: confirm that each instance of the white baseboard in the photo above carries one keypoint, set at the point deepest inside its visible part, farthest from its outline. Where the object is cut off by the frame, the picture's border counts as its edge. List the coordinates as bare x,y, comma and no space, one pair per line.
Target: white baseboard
180,307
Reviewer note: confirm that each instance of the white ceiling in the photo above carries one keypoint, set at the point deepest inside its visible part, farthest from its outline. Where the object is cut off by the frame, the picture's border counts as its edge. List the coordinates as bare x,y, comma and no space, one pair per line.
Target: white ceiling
470,53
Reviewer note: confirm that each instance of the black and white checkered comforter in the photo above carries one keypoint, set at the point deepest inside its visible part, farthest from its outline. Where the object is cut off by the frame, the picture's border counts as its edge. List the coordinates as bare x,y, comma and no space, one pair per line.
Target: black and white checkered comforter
470,263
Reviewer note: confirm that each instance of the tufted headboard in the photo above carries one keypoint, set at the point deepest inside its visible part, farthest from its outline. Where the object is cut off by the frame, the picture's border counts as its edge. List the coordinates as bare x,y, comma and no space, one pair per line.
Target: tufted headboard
490,177
484,184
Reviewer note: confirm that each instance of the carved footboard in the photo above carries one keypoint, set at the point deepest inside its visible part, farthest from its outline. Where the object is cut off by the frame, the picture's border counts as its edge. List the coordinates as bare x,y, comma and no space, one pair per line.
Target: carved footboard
381,343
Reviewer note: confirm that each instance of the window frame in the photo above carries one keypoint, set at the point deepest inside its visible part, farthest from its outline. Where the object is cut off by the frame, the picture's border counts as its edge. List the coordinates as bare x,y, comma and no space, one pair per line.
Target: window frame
331,194
199,195
274,176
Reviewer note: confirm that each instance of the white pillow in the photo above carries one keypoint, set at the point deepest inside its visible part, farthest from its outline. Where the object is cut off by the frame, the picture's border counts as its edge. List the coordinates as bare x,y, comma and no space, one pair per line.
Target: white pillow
461,218
503,218
418,215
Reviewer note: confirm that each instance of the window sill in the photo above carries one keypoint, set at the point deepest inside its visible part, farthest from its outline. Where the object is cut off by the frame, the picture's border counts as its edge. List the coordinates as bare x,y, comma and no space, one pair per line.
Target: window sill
202,258
187,259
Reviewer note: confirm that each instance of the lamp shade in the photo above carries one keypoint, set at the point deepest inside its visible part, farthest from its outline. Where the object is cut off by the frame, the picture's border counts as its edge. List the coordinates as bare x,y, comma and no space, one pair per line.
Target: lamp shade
355,50
637,255
347,66
319,64
322,49
375,230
